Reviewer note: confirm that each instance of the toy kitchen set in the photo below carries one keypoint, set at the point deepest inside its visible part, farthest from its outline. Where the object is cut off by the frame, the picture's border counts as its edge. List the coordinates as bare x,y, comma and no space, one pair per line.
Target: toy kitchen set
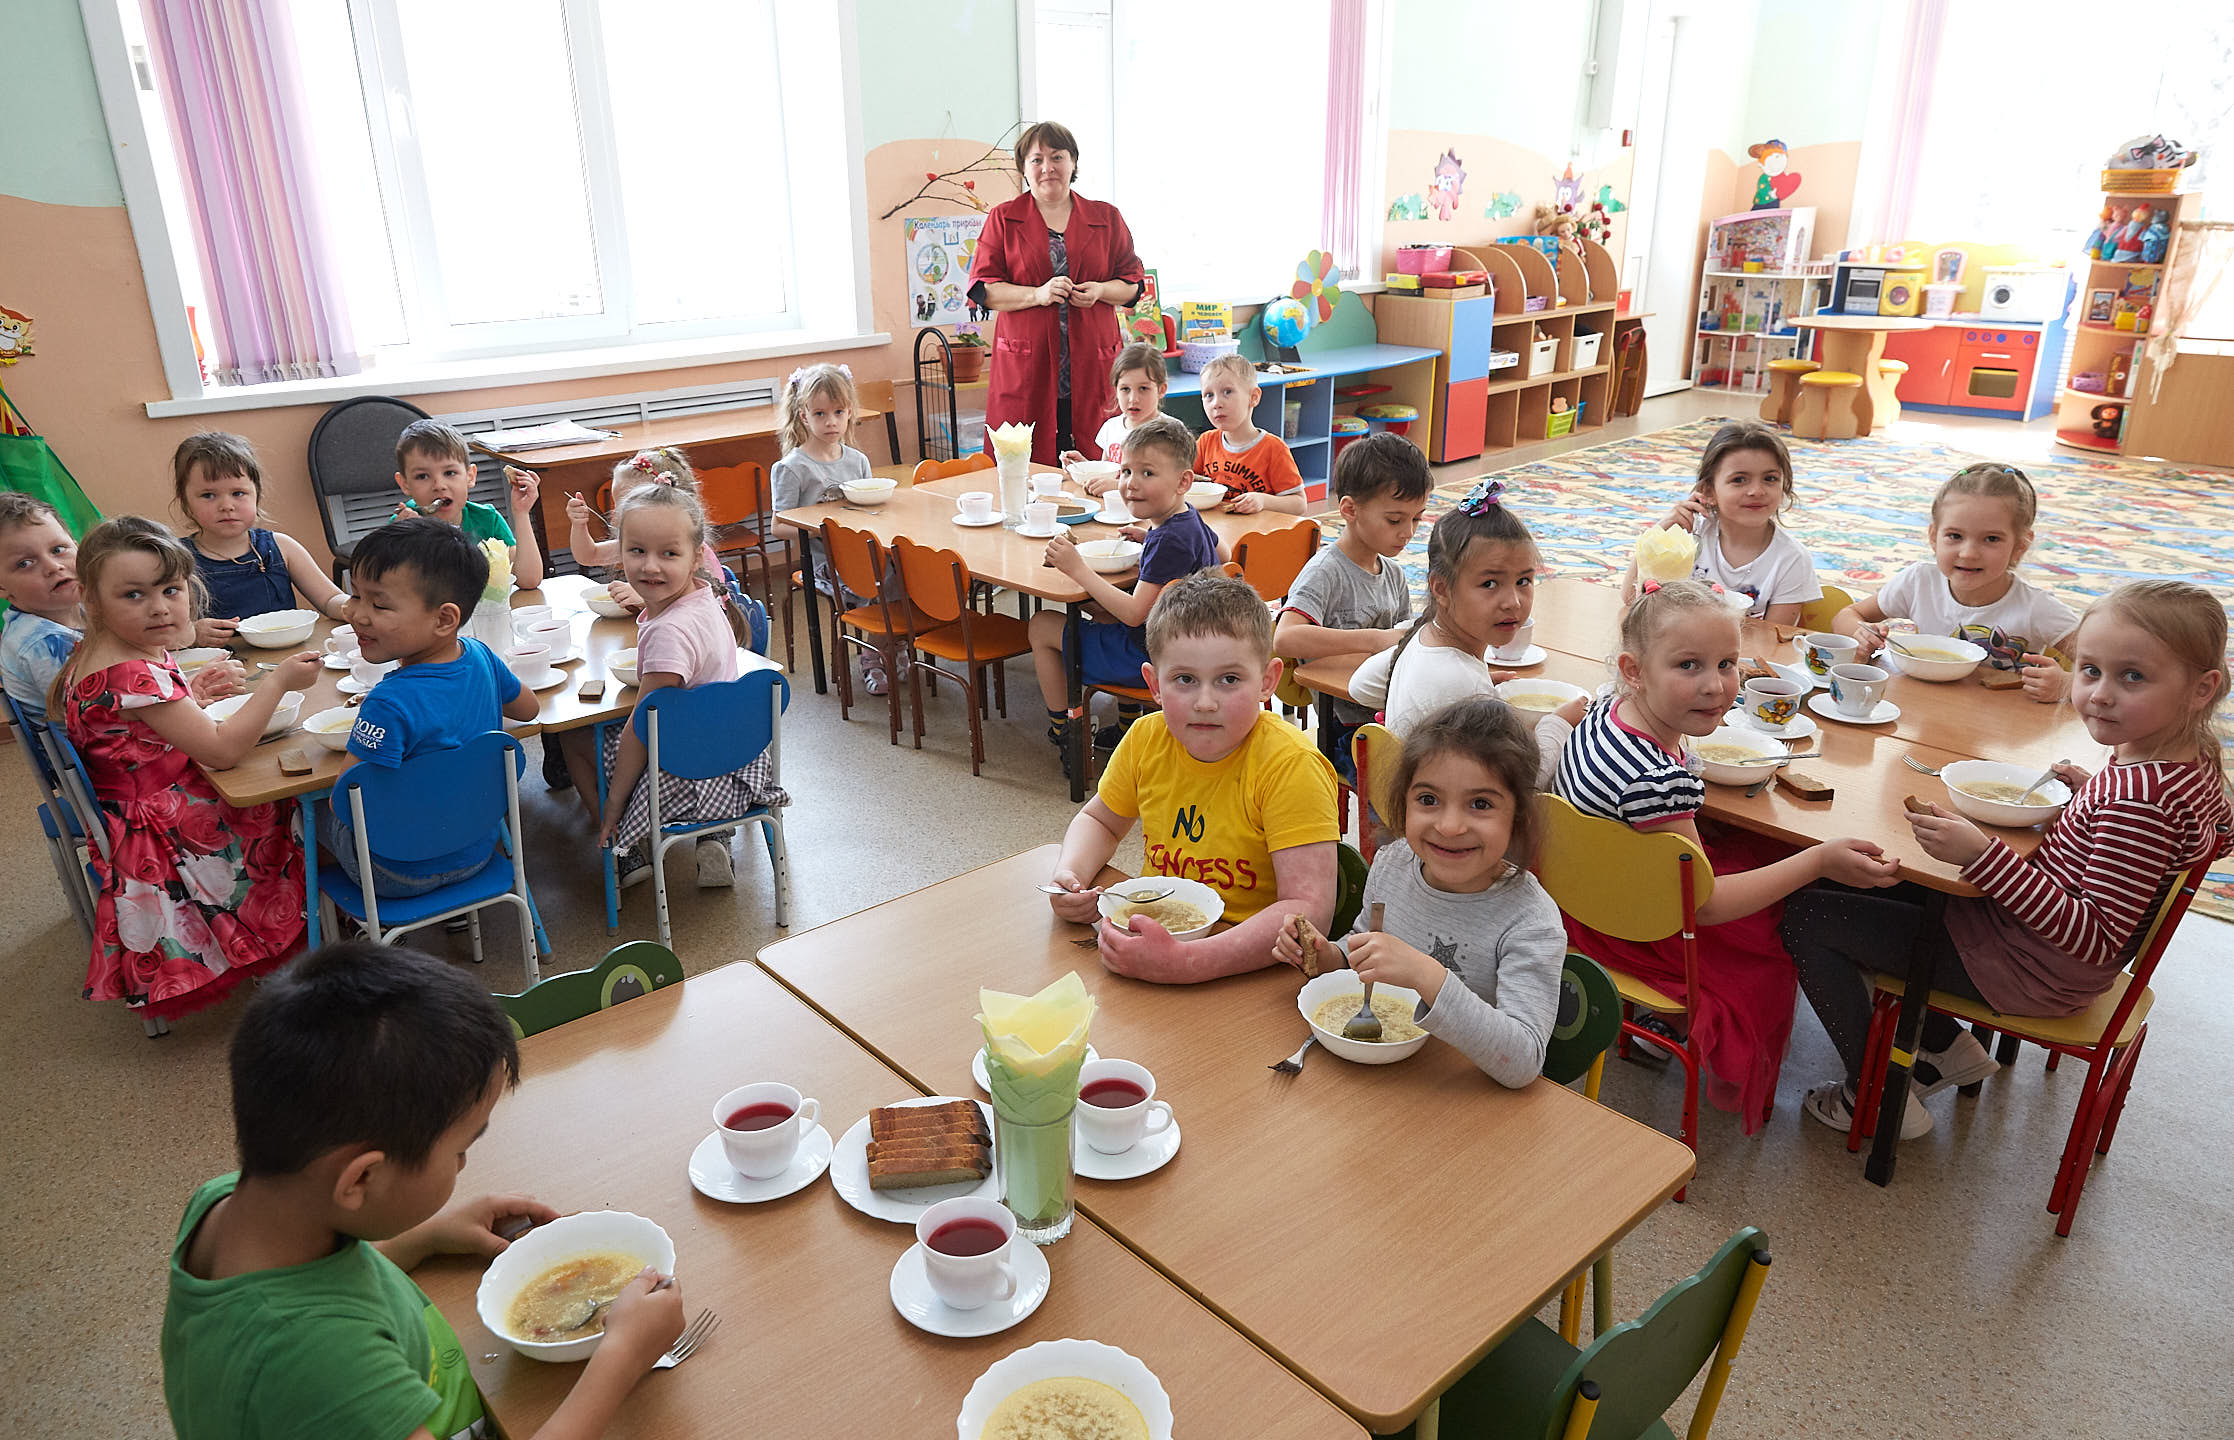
1996,332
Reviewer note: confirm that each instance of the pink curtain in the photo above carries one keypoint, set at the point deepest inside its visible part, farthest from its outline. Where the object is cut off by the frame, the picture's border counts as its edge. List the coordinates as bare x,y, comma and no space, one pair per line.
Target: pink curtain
1345,138
1927,22
230,85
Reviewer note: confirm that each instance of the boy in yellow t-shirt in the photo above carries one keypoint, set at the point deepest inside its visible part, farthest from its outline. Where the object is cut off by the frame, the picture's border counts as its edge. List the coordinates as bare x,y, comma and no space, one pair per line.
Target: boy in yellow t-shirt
1254,465
1224,791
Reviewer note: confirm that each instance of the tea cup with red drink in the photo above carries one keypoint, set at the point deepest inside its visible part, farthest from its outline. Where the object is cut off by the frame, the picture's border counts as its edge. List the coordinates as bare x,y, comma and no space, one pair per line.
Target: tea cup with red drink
966,1251
761,1126
1117,1105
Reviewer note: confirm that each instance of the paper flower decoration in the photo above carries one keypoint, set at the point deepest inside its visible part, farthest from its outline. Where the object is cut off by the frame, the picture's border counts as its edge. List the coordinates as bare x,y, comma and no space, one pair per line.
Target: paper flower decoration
1317,284
1011,439
1666,554
499,587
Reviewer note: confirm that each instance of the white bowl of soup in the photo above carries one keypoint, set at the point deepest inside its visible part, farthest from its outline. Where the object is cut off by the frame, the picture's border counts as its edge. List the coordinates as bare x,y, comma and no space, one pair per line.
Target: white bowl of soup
621,665
1992,793
1723,754
1538,695
195,657
546,1282
1187,912
1330,1001
331,728
278,629
1205,494
874,490
605,607
1110,557
1086,472
1938,658
282,718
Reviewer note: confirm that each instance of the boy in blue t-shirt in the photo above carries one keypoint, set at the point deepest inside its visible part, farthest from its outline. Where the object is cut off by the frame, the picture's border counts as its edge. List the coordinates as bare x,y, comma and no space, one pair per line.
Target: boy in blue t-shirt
1159,456
361,1075
416,582
434,469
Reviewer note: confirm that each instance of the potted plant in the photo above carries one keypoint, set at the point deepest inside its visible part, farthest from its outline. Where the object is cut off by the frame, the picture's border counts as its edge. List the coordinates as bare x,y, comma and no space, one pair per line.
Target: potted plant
968,350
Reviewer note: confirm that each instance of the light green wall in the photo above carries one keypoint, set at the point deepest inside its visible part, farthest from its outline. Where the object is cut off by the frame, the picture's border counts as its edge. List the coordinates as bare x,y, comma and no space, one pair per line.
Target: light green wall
56,149
934,70
1811,70
1510,69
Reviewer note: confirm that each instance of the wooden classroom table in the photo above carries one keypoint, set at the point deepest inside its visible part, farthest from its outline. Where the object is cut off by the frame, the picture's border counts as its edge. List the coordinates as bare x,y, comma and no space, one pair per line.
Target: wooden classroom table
1470,1204
608,1111
1855,343
995,554
257,780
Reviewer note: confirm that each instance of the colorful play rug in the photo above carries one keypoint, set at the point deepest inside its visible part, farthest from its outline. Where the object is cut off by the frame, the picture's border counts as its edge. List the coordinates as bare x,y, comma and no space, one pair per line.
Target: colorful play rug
1863,506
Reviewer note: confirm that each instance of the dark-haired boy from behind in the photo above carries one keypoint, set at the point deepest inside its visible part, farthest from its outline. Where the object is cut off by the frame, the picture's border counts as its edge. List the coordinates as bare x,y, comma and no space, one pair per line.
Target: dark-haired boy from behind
1353,598
361,1075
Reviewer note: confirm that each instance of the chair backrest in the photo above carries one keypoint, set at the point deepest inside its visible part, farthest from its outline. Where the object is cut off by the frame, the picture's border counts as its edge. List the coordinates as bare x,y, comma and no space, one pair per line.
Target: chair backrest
1271,559
734,494
1374,751
936,581
1637,885
1350,871
1589,1019
627,971
437,801
77,788
710,730
31,736
756,614
857,558
946,469
1817,614
353,466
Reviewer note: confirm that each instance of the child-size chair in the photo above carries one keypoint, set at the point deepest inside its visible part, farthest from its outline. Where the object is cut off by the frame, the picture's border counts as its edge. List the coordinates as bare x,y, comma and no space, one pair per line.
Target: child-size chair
1374,751
78,811
1784,389
697,734
434,803
943,626
859,562
1818,613
926,470
1636,885
1589,1021
59,825
1892,371
627,971
739,510
1830,405
1271,559
2108,1035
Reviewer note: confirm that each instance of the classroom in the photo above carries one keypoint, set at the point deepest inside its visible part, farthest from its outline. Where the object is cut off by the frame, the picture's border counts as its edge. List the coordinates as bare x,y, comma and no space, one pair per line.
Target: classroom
832,717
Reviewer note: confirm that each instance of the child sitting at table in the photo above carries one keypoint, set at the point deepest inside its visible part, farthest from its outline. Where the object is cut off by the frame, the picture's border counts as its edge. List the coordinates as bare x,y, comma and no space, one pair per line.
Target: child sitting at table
196,895
1481,588
417,581
1114,646
1677,675
1254,465
1352,597
1981,526
688,636
1745,482
2054,927
667,465
39,580
434,469
248,570
1460,901
361,1076
1225,792
819,403
1138,380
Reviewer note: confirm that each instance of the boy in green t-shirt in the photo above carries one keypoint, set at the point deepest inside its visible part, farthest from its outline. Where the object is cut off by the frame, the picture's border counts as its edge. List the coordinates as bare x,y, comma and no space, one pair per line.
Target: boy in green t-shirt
434,469
361,1074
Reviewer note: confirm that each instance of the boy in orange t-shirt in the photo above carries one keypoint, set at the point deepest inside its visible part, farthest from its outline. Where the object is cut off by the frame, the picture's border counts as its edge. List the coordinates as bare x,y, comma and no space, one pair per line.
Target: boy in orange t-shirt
1253,465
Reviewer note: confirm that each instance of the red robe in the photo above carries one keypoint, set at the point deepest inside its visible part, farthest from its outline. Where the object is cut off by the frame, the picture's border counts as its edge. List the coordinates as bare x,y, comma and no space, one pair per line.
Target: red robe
1012,250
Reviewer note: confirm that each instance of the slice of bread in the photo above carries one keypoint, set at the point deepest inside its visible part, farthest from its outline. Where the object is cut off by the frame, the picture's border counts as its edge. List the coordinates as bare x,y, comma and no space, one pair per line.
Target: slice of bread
915,1169
947,1117
926,1145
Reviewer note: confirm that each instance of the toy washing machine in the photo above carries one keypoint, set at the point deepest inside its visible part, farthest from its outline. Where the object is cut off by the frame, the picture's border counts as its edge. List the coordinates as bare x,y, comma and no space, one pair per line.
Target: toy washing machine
2024,292
1902,293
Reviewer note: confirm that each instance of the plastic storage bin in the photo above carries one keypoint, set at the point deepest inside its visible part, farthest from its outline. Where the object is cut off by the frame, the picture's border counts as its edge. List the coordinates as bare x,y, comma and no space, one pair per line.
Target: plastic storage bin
1558,425
1419,259
1586,349
1543,356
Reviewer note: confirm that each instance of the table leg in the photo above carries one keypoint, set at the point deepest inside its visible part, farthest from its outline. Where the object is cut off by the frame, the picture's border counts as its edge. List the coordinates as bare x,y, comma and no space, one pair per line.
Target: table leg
1875,386
309,807
1849,350
813,603
1908,1028
1074,666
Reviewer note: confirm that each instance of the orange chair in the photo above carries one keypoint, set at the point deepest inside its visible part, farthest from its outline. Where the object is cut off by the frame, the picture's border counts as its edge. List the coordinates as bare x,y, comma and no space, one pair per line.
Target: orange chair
1271,559
738,509
948,469
943,626
859,562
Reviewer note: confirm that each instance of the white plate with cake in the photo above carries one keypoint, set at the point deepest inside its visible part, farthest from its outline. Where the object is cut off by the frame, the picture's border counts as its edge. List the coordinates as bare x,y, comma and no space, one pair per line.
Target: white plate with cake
892,1165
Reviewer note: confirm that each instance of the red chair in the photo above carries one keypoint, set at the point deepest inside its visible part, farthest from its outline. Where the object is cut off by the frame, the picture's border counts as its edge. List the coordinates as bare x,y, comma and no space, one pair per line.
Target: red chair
942,625
946,469
739,511
859,564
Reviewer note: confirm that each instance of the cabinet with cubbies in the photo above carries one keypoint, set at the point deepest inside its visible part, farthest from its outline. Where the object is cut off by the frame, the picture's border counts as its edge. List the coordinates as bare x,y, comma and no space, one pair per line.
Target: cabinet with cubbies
2102,376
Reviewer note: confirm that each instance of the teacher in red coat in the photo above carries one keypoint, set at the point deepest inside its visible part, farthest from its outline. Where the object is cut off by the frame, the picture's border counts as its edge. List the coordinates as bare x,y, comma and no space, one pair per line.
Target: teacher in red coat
1058,267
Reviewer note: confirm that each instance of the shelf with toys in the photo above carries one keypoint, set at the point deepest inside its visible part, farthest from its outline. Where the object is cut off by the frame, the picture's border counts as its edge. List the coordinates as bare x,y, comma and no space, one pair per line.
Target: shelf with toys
1757,276
2128,259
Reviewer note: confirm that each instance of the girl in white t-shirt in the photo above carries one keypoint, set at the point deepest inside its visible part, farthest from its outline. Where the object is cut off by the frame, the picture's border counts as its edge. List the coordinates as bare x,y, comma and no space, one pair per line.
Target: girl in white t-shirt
1138,380
1981,526
1745,482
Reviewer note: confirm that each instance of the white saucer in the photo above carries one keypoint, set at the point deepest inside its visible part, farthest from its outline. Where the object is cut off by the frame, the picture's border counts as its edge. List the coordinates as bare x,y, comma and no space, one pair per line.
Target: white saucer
551,675
1533,655
717,1179
1027,533
996,518
977,1067
1105,518
1799,727
849,1175
350,685
921,1307
336,662
1885,713
1150,1155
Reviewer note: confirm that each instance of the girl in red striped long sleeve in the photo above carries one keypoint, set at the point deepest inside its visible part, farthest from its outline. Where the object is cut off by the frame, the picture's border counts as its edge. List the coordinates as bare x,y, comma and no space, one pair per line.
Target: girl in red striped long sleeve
2054,927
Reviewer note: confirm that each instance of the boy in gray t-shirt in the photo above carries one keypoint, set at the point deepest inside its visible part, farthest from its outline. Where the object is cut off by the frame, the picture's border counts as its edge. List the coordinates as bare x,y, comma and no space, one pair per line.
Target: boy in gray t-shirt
1353,598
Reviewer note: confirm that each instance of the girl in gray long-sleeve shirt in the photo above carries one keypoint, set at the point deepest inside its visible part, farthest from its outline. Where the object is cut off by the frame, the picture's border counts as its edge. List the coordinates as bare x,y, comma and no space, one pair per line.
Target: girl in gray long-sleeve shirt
1458,905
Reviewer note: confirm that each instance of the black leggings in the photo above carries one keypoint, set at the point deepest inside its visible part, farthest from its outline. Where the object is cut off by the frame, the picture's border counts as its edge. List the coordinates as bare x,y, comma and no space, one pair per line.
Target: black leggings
1839,937
1063,440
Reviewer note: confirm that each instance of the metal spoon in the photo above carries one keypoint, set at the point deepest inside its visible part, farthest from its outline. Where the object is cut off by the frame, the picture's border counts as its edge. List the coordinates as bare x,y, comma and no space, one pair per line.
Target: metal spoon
1365,1025
1775,759
2045,776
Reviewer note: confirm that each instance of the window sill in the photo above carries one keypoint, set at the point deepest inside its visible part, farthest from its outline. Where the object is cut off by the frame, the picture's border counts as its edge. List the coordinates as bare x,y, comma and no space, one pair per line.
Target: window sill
433,379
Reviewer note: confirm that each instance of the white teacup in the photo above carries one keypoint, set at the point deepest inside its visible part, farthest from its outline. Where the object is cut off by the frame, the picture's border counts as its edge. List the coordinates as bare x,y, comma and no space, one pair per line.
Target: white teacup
1040,516
526,617
1821,650
973,1280
1512,653
1856,689
976,506
1048,486
341,640
764,1151
1113,509
1114,1129
557,636
1773,702
369,673
528,660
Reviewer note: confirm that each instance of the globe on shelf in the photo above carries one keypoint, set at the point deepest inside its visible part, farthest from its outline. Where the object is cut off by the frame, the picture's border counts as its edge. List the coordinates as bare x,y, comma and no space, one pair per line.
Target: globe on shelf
1285,323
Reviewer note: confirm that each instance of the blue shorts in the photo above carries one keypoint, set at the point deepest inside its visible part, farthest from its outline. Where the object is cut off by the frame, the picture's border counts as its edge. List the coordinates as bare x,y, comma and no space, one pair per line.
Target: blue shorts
1113,653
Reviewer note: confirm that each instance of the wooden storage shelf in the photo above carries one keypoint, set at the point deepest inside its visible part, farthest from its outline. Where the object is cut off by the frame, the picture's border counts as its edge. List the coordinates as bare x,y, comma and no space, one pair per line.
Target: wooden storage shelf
2073,420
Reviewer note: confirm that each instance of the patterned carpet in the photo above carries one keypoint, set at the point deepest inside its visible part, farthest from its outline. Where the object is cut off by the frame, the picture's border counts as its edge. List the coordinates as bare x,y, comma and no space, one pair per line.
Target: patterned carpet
1863,507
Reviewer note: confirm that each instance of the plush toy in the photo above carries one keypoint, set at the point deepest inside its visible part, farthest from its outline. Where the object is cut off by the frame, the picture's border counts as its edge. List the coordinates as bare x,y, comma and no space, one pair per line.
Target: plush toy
2156,239
2106,420
2097,244
2129,236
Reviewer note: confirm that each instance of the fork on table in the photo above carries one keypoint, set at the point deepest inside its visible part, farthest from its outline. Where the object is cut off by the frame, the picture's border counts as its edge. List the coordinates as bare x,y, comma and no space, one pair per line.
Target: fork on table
686,1344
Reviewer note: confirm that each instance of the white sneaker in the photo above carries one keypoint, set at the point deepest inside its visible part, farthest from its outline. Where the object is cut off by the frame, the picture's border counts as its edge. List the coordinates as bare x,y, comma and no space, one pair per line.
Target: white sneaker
1833,1103
1964,1062
715,868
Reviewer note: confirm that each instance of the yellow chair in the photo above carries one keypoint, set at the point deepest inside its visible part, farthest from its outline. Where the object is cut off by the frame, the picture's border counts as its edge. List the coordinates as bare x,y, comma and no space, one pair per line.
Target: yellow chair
1640,886
1892,371
1374,751
1829,404
1816,614
1784,389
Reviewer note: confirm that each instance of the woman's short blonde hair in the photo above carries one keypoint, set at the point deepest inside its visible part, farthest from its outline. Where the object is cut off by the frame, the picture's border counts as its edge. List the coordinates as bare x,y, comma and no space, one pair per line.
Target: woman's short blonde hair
1053,135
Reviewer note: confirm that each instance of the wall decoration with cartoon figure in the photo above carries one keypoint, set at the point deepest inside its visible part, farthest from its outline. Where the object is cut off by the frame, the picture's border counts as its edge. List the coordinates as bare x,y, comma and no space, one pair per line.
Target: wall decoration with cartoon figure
15,335
940,250
1778,178
1450,183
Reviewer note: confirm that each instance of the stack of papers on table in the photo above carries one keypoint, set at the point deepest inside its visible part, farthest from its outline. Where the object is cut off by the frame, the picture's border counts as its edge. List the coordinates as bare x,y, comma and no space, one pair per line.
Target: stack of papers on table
543,437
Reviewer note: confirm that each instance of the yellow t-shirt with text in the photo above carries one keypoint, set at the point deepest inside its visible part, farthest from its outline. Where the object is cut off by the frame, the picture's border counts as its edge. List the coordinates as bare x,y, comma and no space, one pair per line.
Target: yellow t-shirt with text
1220,822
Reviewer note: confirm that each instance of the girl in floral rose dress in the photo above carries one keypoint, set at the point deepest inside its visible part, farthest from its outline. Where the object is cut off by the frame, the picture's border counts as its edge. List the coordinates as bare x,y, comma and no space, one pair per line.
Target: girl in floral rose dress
196,894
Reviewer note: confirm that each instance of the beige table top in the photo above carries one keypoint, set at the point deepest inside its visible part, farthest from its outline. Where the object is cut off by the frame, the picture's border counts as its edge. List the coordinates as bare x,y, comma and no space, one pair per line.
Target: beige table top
1858,322
256,780
606,1116
709,428
1486,1200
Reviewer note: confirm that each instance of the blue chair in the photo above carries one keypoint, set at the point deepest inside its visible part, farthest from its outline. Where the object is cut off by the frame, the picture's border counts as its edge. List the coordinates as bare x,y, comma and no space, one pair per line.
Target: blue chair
696,735
59,824
434,803
76,801
756,614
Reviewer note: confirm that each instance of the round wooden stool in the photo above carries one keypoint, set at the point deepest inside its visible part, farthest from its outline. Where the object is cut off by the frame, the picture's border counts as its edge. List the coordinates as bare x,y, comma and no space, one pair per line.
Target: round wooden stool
1784,378
1893,370
1826,406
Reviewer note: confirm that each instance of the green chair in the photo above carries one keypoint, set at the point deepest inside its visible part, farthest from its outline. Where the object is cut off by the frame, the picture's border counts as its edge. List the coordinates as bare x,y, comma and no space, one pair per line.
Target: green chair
1536,1386
1350,871
627,971
1589,1021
